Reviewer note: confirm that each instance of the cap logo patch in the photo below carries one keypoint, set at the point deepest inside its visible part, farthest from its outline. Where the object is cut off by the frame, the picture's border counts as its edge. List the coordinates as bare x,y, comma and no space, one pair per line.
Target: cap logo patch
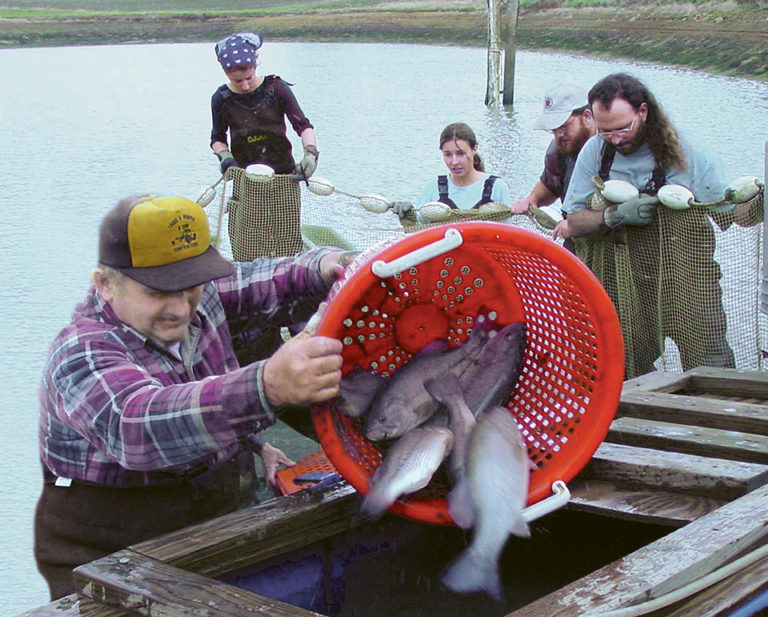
186,237
548,103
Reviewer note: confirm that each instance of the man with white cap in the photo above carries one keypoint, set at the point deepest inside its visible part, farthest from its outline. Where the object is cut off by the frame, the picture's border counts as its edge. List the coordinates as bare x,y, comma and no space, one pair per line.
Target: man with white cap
567,116
146,417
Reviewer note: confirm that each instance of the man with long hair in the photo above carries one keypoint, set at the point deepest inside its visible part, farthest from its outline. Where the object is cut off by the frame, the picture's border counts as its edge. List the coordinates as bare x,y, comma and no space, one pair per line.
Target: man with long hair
657,264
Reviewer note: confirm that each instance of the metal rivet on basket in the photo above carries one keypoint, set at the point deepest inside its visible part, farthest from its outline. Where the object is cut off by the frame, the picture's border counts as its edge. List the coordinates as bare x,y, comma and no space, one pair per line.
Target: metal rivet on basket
444,273
347,340
451,289
468,290
347,322
360,323
457,280
372,336
360,338
460,298
365,308
479,282
465,270
413,270
448,261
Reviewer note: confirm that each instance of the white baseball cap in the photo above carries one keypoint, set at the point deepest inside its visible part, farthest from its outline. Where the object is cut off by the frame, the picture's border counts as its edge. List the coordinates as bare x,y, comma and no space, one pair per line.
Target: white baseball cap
559,103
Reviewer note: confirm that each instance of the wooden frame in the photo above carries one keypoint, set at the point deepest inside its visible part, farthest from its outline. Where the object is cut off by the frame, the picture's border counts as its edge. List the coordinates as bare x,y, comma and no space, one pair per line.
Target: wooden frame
685,450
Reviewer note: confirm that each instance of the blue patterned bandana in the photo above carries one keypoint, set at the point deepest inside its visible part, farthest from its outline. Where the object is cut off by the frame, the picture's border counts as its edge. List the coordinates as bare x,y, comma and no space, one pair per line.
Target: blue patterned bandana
238,49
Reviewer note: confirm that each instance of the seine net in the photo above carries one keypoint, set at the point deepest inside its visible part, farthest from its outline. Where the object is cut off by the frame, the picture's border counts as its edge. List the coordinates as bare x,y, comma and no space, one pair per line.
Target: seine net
685,287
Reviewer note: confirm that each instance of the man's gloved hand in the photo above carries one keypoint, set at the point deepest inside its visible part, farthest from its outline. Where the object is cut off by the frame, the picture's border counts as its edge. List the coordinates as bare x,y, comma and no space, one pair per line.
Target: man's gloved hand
307,166
226,160
636,211
401,208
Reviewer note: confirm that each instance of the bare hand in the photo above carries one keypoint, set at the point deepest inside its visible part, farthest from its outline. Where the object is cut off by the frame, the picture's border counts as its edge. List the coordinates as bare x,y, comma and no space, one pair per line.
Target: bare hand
272,458
520,206
561,231
304,370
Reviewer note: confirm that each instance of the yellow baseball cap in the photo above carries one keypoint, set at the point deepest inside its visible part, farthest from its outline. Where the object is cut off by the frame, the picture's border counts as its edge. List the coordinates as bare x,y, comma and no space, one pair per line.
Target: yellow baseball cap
161,242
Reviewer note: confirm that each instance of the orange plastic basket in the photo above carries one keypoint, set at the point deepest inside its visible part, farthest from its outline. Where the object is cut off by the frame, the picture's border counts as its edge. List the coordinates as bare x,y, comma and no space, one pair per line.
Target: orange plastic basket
573,366
314,462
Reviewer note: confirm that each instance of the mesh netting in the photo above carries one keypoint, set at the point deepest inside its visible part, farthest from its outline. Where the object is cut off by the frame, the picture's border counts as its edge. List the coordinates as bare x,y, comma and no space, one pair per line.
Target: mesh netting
685,287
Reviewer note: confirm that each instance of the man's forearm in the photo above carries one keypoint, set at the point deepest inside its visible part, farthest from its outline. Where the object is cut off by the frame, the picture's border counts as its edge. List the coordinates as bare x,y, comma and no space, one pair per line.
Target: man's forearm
584,222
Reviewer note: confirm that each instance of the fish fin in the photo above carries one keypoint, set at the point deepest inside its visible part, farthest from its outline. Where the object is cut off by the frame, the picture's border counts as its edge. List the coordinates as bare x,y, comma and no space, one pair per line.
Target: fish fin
460,504
443,387
468,573
520,528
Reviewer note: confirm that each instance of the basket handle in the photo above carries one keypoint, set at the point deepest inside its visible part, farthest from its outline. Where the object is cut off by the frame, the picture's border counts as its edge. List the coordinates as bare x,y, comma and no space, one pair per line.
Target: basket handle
448,242
559,497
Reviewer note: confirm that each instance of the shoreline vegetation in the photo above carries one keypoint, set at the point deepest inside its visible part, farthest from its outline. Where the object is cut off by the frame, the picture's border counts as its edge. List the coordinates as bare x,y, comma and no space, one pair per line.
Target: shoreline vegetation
726,37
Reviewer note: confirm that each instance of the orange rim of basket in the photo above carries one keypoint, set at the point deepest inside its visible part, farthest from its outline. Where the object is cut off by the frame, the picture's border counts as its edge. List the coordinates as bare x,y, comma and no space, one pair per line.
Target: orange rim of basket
601,389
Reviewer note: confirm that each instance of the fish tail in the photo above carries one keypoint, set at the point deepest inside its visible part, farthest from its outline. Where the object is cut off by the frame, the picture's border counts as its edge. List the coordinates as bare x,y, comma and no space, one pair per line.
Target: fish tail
375,504
470,572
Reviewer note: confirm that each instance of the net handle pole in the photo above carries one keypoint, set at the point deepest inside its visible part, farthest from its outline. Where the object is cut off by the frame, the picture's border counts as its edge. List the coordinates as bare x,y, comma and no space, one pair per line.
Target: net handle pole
559,497
451,240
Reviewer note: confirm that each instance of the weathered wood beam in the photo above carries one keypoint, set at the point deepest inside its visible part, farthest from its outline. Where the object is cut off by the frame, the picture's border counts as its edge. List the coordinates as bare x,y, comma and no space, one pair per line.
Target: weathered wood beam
493,84
730,382
76,606
697,410
641,505
722,598
634,467
676,559
511,15
253,534
149,587
689,439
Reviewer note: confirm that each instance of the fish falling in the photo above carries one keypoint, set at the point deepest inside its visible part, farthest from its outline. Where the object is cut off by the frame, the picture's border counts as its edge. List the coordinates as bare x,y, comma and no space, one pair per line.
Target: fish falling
447,404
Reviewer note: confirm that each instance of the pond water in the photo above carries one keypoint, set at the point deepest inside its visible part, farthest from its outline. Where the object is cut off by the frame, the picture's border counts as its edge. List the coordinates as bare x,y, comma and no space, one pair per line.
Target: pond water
83,127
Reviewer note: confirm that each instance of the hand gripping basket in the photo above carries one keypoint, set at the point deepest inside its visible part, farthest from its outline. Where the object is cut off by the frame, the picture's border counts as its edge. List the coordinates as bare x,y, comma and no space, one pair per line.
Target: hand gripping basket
434,284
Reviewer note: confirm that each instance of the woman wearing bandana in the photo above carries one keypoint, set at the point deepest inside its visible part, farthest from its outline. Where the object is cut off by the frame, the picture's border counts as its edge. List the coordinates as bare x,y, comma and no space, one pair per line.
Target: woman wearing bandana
253,109
249,127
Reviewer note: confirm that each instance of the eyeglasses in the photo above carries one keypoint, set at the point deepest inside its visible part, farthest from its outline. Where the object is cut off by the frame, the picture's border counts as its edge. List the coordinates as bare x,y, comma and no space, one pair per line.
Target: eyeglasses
618,132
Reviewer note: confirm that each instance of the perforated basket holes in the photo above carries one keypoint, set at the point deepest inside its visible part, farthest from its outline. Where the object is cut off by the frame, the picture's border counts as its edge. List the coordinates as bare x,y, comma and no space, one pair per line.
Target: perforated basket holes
560,367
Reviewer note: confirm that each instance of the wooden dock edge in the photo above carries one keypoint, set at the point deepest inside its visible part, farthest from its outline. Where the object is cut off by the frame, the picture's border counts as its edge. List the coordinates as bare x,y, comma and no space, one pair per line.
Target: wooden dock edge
676,559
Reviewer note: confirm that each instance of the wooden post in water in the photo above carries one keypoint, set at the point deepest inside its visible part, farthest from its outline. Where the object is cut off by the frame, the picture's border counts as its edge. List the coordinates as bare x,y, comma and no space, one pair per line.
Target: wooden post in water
493,86
502,28
511,13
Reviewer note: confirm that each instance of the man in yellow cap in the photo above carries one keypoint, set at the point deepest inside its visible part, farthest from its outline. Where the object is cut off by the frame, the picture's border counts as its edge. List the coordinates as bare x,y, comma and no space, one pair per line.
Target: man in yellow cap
146,416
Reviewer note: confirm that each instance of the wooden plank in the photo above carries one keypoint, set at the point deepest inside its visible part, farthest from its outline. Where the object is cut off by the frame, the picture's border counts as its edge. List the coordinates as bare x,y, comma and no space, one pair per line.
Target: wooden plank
75,605
658,381
664,565
722,598
730,382
689,439
151,588
698,410
642,505
634,467
253,534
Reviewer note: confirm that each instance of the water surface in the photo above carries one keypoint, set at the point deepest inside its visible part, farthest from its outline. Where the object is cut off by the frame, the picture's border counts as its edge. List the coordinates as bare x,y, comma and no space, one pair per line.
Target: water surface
83,127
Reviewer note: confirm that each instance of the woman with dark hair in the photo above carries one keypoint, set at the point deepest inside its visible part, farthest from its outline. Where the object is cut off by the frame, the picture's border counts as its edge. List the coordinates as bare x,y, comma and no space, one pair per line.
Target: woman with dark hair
468,186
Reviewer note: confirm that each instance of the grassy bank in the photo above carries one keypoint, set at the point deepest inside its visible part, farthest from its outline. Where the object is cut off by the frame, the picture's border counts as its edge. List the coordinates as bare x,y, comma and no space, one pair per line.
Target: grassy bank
727,37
